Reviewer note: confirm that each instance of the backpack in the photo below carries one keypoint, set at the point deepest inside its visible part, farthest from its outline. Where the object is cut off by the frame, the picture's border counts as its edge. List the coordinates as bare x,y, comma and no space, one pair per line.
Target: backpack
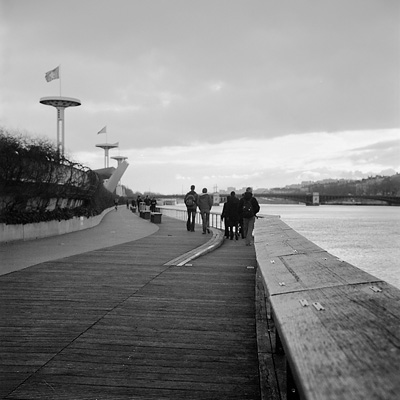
190,201
247,209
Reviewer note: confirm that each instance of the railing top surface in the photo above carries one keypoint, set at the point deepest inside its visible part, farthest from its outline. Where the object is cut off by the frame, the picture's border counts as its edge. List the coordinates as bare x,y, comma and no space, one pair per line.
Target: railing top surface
334,320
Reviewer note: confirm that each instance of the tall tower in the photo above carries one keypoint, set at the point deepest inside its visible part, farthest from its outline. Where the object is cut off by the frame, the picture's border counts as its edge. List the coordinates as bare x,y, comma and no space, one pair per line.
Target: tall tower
107,147
60,103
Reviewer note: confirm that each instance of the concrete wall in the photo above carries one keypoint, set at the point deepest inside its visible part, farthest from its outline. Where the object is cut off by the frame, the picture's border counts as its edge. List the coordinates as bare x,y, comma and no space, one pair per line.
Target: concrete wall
10,233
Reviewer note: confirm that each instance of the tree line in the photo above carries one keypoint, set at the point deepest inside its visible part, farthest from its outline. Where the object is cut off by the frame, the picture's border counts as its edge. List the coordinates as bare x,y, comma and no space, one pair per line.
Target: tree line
378,185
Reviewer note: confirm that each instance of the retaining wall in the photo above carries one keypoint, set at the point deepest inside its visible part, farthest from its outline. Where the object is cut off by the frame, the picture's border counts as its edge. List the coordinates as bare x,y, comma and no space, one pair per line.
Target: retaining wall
10,233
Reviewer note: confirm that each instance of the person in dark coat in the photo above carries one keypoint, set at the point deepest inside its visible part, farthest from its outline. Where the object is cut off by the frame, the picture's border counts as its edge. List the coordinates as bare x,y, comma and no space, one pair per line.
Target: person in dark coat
224,217
241,230
233,213
139,202
133,205
153,204
147,201
248,209
230,213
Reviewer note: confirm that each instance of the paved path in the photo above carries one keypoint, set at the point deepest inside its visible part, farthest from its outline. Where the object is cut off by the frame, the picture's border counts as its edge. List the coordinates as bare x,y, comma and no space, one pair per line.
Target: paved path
127,322
116,227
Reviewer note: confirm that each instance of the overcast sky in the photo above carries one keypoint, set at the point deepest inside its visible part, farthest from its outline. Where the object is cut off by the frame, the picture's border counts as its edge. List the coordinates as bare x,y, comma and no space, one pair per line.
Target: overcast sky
210,92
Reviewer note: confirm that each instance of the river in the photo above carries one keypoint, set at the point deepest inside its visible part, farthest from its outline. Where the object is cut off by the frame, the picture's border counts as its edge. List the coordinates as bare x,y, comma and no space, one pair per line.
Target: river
367,237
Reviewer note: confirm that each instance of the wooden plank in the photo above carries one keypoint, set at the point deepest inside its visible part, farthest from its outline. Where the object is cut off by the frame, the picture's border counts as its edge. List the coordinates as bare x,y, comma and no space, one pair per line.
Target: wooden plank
280,239
348,350
118,323
60,390
287,271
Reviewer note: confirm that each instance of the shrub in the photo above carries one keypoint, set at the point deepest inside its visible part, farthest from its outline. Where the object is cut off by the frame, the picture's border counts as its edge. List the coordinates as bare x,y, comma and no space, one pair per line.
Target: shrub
32,169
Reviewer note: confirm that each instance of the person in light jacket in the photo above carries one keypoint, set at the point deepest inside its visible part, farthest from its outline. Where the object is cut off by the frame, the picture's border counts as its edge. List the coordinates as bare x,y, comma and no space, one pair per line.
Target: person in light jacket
205,203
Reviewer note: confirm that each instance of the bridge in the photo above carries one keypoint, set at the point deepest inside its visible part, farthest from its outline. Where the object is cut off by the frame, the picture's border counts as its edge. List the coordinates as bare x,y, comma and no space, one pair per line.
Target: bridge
311,198
307,198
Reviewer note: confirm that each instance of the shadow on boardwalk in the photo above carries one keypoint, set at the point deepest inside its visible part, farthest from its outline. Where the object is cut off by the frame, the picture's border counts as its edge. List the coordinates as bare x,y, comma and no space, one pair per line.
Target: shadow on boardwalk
118,323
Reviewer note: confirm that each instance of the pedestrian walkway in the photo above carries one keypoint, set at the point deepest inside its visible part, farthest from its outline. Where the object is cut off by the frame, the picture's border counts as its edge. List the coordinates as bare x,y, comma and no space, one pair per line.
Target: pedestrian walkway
124,322
116,227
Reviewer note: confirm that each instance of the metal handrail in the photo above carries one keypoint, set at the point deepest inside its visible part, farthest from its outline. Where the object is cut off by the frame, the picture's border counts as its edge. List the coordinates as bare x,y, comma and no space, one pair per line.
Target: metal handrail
181,214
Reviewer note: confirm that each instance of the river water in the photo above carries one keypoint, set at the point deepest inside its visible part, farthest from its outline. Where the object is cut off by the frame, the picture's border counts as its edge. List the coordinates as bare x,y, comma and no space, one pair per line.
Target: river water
367,237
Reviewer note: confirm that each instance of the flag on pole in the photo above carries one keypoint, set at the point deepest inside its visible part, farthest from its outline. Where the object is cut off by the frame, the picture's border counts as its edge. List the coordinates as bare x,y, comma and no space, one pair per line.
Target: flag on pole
104,130
53,74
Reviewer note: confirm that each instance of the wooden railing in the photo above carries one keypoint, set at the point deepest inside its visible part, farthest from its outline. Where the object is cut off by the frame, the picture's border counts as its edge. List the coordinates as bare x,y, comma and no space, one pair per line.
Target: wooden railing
215,218
338,325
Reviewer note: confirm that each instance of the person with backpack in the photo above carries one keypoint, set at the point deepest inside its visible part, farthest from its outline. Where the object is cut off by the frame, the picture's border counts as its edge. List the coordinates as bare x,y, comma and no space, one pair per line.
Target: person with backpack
205,203
248,209
190,201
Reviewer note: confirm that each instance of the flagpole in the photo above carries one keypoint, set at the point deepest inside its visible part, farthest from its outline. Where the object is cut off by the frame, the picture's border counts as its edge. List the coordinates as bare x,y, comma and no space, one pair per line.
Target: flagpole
59,76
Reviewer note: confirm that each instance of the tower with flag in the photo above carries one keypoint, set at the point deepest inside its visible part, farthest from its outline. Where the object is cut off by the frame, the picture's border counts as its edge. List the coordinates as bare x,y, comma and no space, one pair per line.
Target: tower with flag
60,103
106,146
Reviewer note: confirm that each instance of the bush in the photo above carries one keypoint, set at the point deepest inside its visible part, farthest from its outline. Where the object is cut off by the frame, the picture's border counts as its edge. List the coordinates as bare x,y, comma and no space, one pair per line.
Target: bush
33,169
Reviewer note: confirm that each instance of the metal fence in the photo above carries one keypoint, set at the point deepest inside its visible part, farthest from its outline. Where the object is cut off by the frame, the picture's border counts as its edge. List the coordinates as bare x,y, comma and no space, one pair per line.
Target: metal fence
181,214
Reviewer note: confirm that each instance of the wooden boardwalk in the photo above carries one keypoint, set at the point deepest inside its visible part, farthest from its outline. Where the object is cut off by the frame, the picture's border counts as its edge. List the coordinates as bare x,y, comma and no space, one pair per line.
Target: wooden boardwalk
121,323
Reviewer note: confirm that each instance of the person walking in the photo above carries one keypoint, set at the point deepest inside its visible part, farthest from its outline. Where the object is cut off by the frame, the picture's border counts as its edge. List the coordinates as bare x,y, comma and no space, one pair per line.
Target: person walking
153,204
225,218
241,230
205,203
139,202
133,206
147,202
232,215
248,209
191,199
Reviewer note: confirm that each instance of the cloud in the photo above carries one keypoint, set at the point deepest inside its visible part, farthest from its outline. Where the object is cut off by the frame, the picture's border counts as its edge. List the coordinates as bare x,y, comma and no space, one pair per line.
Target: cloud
381,153
229,91
156,67
261,163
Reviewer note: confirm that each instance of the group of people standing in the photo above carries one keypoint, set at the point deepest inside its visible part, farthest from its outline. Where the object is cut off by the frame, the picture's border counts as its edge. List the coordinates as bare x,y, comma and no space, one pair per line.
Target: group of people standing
149,202
239,214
